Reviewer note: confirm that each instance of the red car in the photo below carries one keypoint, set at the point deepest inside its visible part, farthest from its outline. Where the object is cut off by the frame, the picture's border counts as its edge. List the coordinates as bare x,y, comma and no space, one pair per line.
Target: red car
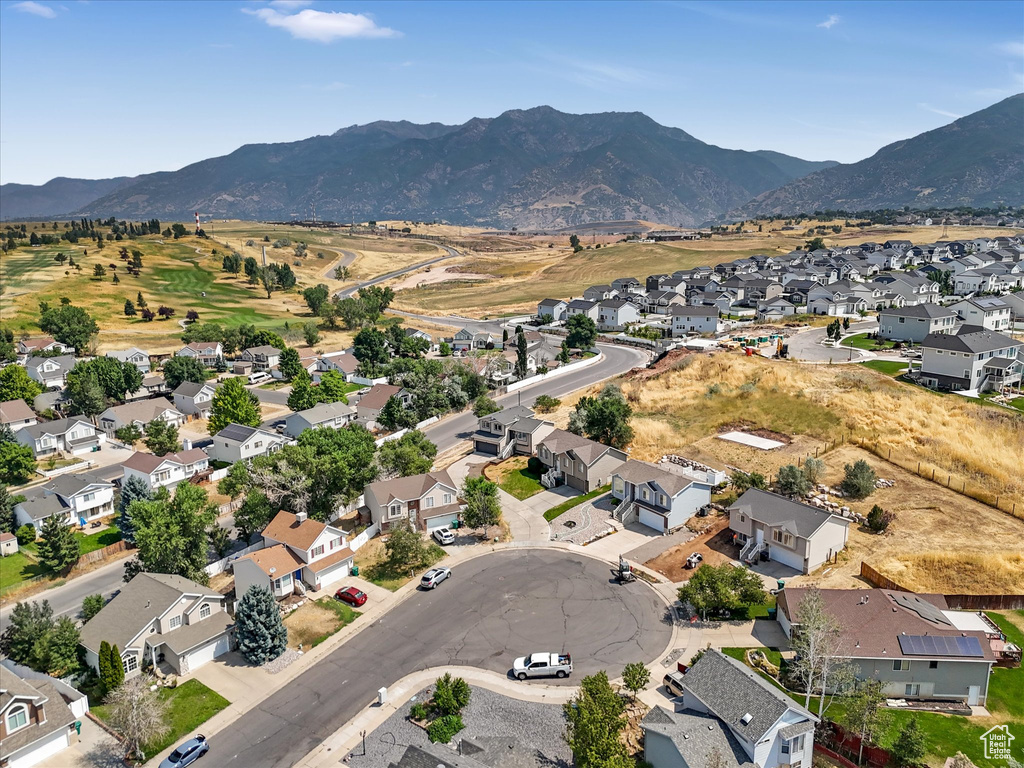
350,595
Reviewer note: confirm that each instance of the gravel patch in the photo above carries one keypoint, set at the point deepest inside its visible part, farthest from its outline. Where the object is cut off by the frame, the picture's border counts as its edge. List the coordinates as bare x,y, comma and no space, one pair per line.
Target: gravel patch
282,661
590,521
494,722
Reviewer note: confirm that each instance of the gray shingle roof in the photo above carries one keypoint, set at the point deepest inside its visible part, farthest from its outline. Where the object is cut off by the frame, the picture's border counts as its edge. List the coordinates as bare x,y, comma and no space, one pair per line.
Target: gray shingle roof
679,310
640,472
57,427
588,451
969,338
931,311
774,510
69,485
696,735
58,715
42,507
190,388
15,410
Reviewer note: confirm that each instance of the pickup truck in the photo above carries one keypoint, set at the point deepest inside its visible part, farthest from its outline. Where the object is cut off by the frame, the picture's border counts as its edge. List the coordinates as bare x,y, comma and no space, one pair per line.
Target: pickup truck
542,665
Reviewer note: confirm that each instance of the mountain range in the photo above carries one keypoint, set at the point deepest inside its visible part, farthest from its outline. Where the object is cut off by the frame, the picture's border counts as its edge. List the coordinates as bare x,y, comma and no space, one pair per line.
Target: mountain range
541,168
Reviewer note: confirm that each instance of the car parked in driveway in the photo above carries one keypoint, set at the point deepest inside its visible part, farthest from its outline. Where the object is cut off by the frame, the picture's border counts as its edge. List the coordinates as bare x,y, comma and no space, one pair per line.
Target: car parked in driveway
187,753
351,595
443,535
435,576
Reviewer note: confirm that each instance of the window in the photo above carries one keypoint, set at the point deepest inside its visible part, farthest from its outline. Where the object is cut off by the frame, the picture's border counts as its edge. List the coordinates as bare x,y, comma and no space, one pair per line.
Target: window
395,510
643,494
933,664
174,622
336,542
317,551
901,665
205,611
17,718
258,444
662,500
429,501
447,498
783,538
89,497
131,662
794,745
913,689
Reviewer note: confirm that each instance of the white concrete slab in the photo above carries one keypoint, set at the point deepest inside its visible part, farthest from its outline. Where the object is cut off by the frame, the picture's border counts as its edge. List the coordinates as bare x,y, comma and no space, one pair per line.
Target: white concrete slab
753,441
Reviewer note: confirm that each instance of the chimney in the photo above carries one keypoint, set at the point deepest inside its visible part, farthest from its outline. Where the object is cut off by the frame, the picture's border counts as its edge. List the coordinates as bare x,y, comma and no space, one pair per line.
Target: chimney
300,517
186,444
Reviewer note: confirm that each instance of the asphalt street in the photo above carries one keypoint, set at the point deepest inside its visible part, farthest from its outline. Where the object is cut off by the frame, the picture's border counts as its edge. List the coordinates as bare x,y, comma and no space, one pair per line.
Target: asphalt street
346,292
807,345
493,609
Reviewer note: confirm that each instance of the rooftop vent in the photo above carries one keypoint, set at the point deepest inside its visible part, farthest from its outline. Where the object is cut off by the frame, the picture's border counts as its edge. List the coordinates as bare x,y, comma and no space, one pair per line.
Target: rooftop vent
746,718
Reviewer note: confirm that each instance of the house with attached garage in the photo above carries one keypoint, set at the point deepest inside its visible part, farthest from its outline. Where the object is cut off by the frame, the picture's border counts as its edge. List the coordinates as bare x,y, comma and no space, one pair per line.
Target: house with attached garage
972,358
72,498
343,363
140,413
262,358
554,307
74,435
578,462
300,553
913,644
661,302
616,314
726,707
369,405
769,526
194,399
425,502
334,415
691,319
914,323
36,722
775,310
465,340
237,442
165,471
50,372
656,496
990,312
582,307
206,352
29,347
513,430
133,355
16,415
168,621
599,293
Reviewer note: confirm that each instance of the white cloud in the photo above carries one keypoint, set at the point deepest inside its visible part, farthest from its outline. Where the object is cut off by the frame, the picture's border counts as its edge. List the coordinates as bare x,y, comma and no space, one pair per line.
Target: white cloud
322,26
36,9
937,111
290,5
1014,48
830,22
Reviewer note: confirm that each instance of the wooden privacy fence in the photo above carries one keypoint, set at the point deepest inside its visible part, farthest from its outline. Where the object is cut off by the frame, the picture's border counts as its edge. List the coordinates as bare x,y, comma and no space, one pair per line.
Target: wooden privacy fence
102,554
876,579
955,602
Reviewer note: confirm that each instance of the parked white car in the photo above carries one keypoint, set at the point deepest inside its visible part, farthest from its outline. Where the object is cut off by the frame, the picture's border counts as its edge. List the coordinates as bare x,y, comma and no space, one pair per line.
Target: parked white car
259,377
542,665
443,536
435,576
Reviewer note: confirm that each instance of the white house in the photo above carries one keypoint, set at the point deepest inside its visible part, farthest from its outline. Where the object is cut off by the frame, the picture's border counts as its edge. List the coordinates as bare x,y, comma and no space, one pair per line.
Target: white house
133,355
973,358
300,553
237,443
194,399
334,415
50,372
206,352
74,435
140,413
658,498
35,721
29,347
17,415
582,307
554,307
616,314
165,471
690,319
914,323
73,498
263,358
989,312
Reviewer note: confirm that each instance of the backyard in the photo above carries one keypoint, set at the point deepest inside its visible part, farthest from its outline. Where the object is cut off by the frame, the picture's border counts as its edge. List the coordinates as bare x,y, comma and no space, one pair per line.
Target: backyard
24,565
314,622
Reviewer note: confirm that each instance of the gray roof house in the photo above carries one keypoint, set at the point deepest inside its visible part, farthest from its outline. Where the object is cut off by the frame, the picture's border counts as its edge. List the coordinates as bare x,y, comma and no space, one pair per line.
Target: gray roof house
580,463
657,497
50,372
137,357
727,707
163,619
973,358
554,307
194,399
35,721
76,497
140,413
320,415
237,442
426,501
914,323
74,435
794,534
511,430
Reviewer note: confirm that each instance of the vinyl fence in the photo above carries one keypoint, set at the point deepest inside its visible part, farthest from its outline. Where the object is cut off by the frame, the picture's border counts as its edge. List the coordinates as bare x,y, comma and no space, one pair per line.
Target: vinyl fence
222,565
355,543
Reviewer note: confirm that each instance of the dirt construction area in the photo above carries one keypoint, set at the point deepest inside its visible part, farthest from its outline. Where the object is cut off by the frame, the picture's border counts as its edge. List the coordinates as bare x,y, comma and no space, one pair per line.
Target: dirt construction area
715,545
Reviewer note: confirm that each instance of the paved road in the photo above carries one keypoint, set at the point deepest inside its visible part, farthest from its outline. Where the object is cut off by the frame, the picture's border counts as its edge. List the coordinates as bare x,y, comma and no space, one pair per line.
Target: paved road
450,252
616,360
347,257
457,321
807,346
496,607
68,598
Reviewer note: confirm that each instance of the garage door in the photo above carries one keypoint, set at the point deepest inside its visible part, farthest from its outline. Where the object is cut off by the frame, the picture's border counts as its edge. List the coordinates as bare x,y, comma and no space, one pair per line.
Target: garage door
439,522
787,557
652,520
333,574
489,448
42,750
208,652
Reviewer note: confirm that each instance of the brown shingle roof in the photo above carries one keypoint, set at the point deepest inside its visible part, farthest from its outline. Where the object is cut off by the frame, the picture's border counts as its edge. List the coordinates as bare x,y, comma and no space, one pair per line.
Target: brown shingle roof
15,410
278,557
378,396
286,528
332,559
147,462
406,488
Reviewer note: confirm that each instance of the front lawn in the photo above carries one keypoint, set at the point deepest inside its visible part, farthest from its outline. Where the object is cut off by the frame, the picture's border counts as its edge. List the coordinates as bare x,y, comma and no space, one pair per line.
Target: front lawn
317,620
515,477
190,705
888,367
568,504
861,341
372,565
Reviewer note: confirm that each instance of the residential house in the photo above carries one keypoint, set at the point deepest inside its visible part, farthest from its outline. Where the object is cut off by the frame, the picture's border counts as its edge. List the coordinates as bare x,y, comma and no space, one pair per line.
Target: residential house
512,430
914,323
838,298
74,435
990,312
616,314
8,544
369,406
599,293
50,372
727,708
794,534
334,415
237,442
775,310
465,340
206,352
152,386
582,307
35,721
16,414
898,245
578,462
661,302
168,470
416,333
299,553
76,499
132,355
691,319
628,286
554,307
656,496
29,347
972,358
341,362
913,644
425,502
140,413
262,358
194,399
168,621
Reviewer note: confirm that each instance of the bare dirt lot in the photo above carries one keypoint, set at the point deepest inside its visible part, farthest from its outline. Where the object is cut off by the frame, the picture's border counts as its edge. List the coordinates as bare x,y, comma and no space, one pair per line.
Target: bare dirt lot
715,545
436,275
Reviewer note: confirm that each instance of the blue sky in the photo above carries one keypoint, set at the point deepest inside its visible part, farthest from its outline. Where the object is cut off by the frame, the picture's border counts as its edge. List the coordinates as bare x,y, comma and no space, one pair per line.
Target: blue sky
96,89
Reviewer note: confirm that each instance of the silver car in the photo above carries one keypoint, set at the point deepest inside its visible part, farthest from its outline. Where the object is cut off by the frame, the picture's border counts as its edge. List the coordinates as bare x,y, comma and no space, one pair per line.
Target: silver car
187,753
434,576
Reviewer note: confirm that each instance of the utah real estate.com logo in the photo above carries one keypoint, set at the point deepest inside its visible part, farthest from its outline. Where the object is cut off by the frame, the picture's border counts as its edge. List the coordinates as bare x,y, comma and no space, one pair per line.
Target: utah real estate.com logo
997,742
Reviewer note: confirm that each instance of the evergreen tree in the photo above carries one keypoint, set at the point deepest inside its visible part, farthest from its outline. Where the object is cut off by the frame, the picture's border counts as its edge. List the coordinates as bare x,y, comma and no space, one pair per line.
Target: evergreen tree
234,404
521,360
116,674
56,652
59,550
140,302
104,664
8,521
133,489
162,437
261,634
26,624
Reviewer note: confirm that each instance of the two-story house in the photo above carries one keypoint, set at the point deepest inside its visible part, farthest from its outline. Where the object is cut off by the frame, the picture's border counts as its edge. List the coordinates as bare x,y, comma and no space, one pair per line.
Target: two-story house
726,707
912,643
165,471
16,415
425,502
972,358
694,319
133,355
71,498
599,293
989,312
512,430
168,621
466,339
299,553
657,497
194,399
616,314
262,358
74,435
35,721
50,372
237,442
794,534
343,363
554,307
335,415
140,413
369,405
577,461
914,323
582,307
660,302
207,352
37,344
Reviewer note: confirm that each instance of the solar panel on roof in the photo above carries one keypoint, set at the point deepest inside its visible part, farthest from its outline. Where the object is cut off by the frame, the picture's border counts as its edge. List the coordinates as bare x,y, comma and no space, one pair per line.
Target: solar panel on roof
940,645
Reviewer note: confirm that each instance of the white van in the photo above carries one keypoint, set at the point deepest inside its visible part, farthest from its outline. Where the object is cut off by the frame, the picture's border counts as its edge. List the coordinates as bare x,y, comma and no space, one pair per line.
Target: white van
259,377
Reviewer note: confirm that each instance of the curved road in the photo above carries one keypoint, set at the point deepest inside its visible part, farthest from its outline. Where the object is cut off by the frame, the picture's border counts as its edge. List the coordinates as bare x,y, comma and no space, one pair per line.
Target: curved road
450,253
495,607
347,257
807,345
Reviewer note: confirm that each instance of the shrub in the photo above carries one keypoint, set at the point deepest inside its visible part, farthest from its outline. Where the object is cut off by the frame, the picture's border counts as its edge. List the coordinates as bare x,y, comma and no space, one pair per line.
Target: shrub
546,403
879,519
420,711
26,534
444,728
535,466
92,605
859,481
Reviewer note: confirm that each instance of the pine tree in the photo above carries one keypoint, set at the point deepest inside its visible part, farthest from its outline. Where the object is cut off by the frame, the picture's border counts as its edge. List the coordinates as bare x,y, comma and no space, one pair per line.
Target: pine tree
129,308
58,549
116,666
139,301
104,663
261,634
134,489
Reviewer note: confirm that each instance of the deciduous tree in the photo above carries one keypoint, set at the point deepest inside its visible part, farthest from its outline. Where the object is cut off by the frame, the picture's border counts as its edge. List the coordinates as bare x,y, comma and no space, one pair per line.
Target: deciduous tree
161,437
171,533
70,325
635,676
604,418
582,332
234,404
594,725
15,384
138,715
411,454
859,480
483,506
289,363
